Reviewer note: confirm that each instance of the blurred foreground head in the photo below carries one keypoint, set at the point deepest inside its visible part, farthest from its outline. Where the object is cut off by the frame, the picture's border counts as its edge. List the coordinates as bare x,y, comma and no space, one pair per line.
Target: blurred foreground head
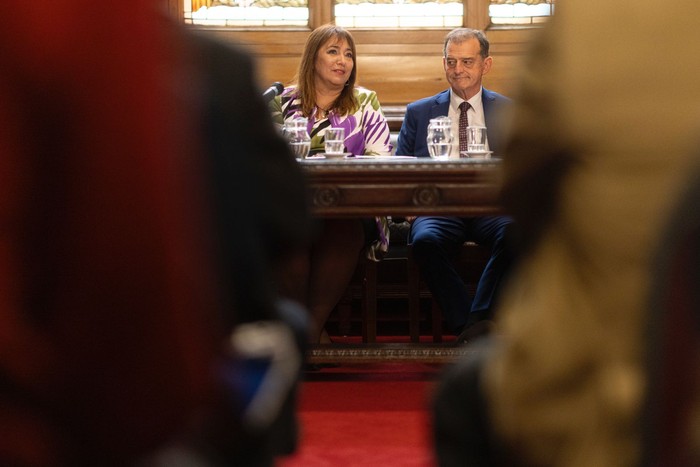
604,138
105,331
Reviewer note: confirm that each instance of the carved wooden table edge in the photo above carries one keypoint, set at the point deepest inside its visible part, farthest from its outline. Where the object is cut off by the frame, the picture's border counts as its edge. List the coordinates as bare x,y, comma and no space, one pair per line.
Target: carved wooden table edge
416,187
386,353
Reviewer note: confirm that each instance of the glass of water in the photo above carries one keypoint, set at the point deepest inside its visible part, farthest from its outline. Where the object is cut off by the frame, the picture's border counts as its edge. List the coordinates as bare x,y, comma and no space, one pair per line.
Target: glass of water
298,137
476,139
440,137
335,142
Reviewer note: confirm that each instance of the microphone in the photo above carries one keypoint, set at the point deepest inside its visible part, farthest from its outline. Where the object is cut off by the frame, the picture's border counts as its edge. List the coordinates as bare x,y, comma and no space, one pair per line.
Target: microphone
273,91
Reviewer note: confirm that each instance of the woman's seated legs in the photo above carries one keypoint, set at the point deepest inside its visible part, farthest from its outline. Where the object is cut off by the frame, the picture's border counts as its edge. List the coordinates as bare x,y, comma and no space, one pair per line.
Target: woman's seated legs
333,261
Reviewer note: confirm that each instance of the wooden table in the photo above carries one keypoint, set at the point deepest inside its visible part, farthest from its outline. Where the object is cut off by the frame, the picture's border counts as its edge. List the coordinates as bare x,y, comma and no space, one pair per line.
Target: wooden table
361,187
358,187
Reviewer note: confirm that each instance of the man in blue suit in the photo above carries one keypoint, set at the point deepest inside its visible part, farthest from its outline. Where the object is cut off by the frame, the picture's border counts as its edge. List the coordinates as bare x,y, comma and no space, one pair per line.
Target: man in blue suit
437,240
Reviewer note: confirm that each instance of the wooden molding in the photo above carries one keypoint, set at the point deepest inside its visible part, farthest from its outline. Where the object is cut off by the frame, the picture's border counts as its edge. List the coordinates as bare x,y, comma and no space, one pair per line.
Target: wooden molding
387,353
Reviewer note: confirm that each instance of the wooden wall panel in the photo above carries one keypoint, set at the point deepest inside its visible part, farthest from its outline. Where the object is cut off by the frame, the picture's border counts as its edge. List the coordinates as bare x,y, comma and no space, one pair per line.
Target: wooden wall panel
401,66
401,79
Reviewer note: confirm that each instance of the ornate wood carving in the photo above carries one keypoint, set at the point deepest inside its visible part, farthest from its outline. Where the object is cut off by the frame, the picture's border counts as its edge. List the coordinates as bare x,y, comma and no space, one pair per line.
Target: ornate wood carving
326,197
362,187
426,195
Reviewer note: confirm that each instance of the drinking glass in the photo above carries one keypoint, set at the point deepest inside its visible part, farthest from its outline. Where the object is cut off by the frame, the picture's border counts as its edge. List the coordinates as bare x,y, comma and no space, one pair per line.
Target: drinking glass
440,137
297,135
335,141
476,139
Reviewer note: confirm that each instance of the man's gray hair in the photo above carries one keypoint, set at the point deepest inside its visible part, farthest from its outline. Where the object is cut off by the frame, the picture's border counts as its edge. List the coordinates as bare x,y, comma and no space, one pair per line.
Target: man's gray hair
460,35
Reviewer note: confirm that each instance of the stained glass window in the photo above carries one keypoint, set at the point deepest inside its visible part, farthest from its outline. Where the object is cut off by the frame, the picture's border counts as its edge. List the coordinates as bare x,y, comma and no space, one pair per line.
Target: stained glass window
520,12
247,12
399,13
385,14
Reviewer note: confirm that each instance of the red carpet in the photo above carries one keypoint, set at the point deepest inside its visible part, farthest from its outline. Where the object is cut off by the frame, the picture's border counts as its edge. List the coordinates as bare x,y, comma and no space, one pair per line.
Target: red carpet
366,415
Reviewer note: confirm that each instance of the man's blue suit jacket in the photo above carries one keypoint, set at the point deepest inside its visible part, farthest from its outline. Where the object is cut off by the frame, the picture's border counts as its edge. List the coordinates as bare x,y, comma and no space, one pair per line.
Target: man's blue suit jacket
414,130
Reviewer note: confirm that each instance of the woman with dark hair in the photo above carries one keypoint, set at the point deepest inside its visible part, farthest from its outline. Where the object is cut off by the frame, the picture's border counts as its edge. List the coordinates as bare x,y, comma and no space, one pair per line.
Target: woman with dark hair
324,92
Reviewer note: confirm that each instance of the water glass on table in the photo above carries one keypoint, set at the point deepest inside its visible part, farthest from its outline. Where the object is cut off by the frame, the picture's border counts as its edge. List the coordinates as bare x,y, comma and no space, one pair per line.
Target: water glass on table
440,137
295,131
335,142
476,142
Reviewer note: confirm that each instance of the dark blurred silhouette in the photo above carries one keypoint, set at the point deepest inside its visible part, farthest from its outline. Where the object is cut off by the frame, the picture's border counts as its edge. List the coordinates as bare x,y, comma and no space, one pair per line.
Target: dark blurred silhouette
119,288
263,220
671,416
